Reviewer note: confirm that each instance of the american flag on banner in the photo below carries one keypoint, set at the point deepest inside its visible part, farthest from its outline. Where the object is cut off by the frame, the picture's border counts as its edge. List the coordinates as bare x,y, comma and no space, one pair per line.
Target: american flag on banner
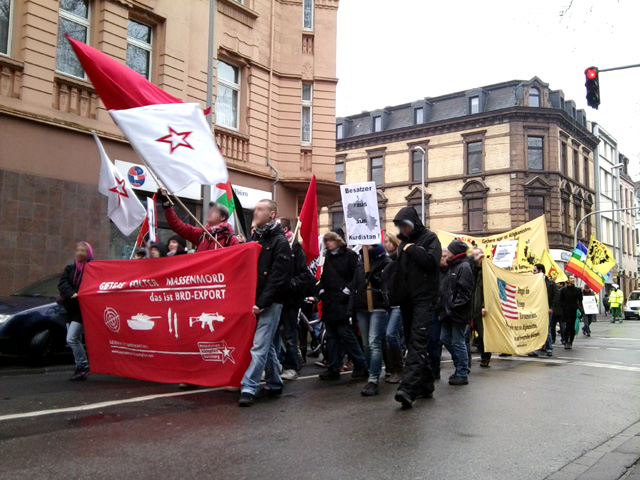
508,303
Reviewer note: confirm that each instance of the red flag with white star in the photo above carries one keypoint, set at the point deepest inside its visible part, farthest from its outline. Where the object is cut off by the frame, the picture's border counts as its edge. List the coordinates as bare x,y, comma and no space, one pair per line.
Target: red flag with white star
173,138
124,208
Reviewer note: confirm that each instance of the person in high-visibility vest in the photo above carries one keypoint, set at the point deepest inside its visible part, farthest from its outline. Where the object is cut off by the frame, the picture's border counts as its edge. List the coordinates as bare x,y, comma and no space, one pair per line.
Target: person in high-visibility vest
616,299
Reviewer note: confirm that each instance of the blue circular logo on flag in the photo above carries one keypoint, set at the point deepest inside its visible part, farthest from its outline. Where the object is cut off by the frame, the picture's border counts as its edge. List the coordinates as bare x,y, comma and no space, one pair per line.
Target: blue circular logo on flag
136,176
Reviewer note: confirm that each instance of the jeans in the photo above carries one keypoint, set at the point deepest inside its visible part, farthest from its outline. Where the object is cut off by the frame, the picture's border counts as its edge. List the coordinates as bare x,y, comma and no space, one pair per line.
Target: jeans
548,346
289,322
453,338
74,340
394,329
556,319
373,327
263,353
337,333
435,345
586,328
417,377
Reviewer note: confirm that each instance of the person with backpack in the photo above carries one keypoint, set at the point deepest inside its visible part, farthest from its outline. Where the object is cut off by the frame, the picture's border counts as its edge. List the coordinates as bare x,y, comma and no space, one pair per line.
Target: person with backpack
419,282
217,225
372,323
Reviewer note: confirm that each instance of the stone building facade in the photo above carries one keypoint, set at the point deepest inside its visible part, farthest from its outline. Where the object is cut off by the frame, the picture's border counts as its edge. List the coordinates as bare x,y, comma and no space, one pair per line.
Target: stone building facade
496,157
274,115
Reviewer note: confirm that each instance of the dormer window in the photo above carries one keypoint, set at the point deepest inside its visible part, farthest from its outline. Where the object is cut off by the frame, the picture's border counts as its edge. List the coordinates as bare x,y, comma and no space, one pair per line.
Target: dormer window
377,123
474,105
339,131
418,116
534,97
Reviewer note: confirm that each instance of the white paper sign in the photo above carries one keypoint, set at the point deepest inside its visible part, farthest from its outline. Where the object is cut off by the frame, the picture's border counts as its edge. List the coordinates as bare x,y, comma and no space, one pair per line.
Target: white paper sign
505,253
360,205
590,305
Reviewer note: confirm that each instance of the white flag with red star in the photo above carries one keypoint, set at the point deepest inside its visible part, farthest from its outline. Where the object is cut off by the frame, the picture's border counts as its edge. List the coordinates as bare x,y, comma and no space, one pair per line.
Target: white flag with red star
124,209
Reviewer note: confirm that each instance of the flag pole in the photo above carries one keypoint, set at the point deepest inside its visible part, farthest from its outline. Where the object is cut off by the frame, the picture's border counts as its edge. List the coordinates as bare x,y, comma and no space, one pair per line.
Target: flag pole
295,232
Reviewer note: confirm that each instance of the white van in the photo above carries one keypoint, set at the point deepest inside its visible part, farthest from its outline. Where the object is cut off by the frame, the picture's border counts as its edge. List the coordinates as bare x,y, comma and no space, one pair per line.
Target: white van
632,307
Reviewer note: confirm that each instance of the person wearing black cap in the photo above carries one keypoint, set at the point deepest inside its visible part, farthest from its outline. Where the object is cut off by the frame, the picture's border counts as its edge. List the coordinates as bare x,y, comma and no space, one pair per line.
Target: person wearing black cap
419,261
176,246
217,225
157,250
139,254
457,307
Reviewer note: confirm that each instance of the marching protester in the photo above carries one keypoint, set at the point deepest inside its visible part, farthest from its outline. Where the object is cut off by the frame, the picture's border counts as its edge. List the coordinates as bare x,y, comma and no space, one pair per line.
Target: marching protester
435,329
373,324
588,319
176,246
478,306
556,318
571,303
157,250
419,260
68,287
336,283
457,305
300,283
616,299
394,359
606,304
218,226
552,295
274,273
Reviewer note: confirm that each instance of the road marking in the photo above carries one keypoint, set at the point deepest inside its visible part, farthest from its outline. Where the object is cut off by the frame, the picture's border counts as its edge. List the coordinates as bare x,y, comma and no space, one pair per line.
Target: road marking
571,358
557,360
595,348
618,349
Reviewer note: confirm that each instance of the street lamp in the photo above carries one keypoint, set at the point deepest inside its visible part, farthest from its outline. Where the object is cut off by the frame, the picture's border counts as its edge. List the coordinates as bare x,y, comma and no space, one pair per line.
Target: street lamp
423,153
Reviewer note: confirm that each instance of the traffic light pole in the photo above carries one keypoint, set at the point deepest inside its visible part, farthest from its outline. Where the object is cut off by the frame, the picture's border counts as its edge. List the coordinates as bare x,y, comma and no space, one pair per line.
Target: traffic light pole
575,234
618,68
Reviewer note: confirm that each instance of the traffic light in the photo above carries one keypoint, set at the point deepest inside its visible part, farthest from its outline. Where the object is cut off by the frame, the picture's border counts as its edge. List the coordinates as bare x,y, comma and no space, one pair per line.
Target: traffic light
593,87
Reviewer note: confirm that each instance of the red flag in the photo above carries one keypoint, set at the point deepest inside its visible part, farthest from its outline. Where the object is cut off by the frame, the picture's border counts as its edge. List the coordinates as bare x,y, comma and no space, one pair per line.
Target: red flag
176,319
150,224
309,223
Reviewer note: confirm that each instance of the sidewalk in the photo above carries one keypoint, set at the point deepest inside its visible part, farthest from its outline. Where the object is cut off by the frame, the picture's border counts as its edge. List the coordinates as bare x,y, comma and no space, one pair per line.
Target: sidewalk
616,459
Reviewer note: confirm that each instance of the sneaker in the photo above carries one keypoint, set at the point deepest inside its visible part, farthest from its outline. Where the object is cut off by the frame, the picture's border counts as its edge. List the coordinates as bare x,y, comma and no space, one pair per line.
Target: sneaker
369,390
329,375
570,346
269,392
588,334
404,398
361,372
289,375
458,380
533,354
485,364
81,373
549,354
246,400
451,377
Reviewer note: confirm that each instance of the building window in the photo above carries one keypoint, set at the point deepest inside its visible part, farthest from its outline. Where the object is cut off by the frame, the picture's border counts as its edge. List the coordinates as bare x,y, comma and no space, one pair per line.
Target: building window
585,172
377,123
307,122
418,116
474,196
339,131
340,172
474,105
416,166
535,153
139,48
228,99
376,171
578,215
564,165
337,220
576,166
566,216
587,211
307,14
624,240
5,26
475,215
536,206
474,157
534,97
73,20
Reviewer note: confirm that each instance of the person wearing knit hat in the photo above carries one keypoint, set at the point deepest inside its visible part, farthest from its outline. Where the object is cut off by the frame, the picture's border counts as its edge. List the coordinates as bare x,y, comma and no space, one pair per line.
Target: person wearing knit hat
457,247
176,246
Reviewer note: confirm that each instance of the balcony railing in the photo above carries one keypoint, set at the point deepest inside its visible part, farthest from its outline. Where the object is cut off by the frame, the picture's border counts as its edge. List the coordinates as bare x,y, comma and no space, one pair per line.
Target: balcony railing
75,96
10,77
234,145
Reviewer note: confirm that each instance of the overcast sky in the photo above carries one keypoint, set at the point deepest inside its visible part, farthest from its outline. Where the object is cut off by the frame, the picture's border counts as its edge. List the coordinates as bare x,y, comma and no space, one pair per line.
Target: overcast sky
396,51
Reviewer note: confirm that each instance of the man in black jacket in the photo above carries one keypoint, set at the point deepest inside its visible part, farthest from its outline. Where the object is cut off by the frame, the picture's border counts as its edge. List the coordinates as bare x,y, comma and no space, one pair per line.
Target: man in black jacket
457,306
552,296
274,273
299,285
419,256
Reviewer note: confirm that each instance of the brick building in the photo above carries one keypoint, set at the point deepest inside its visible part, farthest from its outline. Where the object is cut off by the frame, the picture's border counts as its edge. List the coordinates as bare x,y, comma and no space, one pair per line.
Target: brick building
274,110
496,157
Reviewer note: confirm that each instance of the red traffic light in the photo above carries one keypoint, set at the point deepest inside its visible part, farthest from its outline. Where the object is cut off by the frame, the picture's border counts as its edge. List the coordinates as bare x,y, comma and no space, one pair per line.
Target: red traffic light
591,73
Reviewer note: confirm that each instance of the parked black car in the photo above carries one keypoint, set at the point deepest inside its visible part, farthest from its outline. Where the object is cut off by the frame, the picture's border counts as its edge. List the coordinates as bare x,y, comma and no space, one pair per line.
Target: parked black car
32,323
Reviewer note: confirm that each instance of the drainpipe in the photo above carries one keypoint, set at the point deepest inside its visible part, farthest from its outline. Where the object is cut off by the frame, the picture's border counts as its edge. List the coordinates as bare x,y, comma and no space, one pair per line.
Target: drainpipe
277,179
269,99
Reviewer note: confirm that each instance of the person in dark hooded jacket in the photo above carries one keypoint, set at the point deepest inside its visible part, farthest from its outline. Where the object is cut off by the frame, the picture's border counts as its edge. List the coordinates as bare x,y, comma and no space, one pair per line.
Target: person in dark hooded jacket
419,259
457,307
373,324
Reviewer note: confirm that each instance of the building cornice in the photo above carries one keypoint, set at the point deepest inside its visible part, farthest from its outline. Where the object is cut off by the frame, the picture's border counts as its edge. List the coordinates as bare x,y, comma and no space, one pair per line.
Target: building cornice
469,122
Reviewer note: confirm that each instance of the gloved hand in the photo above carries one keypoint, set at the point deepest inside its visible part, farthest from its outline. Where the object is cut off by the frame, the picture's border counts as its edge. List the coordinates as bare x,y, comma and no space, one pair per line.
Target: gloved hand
163,197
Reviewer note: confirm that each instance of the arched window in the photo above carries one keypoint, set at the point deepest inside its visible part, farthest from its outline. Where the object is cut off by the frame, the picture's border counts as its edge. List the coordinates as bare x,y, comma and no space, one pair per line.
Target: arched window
534,97
474,199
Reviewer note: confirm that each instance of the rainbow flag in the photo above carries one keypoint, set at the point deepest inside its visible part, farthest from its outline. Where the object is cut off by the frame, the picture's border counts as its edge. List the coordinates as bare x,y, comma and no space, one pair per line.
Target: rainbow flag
578,266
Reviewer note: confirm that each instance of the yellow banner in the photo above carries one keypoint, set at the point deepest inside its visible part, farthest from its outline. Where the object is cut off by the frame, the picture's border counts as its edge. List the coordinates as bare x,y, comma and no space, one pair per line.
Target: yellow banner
517,318
554,272
532,241
599,257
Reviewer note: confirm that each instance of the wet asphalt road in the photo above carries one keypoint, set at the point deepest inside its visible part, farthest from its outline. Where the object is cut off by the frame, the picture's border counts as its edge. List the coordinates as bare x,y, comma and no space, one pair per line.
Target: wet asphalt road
521,419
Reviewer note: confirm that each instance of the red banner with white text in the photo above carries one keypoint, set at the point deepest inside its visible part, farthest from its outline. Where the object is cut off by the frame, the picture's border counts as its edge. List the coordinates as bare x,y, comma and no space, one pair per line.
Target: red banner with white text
177,319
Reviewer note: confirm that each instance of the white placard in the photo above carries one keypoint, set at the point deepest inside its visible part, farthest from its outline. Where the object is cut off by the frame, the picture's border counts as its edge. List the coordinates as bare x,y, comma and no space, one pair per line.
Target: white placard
360,205
505,253
140,179
590,305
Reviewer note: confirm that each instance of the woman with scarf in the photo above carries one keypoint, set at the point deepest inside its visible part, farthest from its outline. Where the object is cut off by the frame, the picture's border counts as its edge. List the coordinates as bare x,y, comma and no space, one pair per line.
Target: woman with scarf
68,286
